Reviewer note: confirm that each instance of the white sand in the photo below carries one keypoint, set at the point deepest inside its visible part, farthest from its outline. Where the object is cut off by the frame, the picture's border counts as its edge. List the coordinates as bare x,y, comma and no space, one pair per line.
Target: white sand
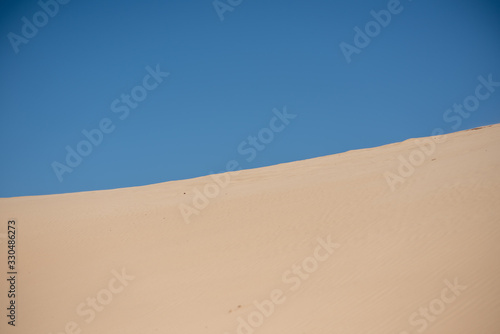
395,253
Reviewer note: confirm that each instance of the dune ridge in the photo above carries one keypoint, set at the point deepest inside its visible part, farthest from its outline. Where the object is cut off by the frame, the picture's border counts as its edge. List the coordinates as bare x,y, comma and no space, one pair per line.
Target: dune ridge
319,246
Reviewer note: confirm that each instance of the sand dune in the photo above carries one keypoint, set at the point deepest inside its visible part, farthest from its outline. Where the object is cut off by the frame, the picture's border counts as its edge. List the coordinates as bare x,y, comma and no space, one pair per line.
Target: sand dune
358,242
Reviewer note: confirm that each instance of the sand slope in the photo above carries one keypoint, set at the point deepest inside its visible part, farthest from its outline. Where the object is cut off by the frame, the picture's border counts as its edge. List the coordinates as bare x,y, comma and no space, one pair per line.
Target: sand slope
423,257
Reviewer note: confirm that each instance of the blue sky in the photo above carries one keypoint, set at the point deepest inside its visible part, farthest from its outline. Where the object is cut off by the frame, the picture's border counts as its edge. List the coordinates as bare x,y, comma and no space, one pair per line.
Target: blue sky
225,79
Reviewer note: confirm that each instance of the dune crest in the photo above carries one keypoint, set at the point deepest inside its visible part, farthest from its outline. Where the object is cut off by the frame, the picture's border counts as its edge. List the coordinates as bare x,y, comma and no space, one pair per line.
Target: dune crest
326,245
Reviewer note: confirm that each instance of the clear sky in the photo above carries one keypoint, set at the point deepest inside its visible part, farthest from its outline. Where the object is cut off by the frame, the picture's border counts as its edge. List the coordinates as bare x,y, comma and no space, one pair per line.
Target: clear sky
84,65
